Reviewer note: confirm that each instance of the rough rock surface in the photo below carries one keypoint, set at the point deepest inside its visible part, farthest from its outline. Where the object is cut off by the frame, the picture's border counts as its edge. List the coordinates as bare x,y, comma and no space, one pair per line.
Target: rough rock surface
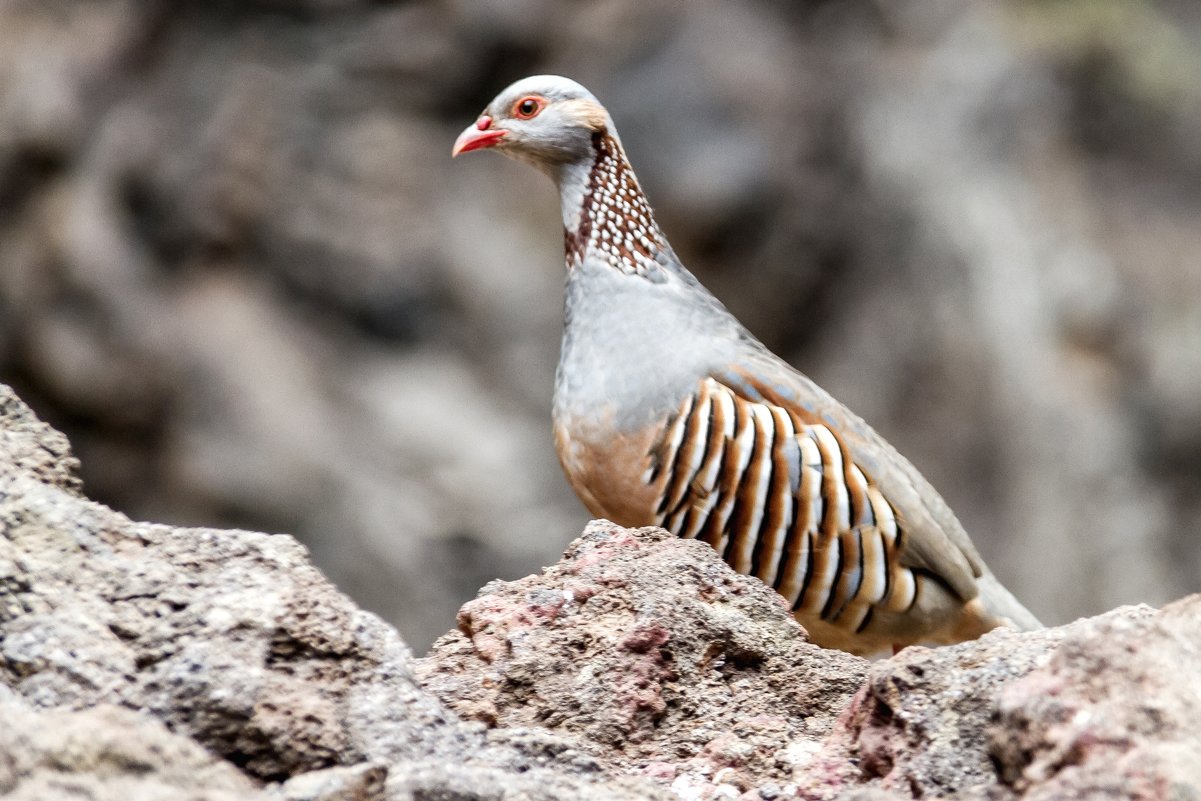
1105,707
29,446
662,660
142,662
653,653
107,754
1112,713
235,643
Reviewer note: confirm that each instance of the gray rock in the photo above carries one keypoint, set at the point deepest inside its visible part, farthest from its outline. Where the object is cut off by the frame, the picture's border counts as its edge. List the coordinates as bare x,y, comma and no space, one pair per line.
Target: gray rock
30,446
1111,712
238,645
147,662
654,654
107,754
1100,708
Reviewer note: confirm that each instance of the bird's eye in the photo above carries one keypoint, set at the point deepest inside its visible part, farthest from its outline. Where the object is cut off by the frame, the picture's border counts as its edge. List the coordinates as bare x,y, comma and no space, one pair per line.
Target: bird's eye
528,107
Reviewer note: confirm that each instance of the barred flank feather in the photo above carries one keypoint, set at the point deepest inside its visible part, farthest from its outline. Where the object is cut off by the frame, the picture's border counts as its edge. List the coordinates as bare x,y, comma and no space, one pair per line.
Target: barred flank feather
780,498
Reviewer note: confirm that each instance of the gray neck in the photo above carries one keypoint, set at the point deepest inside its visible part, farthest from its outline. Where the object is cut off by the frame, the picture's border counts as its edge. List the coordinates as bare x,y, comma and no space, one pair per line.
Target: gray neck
639,331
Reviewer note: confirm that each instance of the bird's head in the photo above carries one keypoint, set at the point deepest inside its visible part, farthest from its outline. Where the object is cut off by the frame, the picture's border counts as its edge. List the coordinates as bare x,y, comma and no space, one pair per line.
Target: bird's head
546,120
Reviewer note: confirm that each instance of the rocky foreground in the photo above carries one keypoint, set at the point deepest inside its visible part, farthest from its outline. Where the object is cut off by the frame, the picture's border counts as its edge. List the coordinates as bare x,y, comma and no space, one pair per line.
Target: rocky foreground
141,661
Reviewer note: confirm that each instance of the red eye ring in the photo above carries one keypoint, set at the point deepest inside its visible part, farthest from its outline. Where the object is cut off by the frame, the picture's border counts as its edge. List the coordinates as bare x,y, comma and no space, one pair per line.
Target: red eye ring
528,107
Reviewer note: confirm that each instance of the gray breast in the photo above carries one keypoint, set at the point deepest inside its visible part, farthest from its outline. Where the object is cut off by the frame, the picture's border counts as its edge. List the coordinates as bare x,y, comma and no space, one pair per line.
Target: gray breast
635,346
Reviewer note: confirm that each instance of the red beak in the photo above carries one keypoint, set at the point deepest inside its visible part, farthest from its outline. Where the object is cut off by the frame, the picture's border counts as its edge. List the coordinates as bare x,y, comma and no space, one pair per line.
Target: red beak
477,137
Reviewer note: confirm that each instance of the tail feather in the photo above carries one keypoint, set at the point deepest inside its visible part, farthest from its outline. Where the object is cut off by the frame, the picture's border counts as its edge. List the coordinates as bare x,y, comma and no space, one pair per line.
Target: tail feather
1000,603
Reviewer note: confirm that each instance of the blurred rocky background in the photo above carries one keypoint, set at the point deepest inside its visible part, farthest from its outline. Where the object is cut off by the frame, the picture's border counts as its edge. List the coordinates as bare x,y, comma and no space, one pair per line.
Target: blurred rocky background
240,271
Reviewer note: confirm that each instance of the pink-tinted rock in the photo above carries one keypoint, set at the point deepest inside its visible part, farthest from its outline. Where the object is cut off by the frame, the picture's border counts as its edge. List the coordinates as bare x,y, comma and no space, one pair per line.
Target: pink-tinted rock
1101,708
149,662
1113,712
668,662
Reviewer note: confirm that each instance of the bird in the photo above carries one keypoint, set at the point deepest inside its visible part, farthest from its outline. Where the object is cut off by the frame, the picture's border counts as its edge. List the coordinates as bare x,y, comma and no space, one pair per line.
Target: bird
668,412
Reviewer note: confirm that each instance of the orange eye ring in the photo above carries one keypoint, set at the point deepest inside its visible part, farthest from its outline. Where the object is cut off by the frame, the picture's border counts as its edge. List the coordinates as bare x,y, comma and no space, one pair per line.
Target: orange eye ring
528,107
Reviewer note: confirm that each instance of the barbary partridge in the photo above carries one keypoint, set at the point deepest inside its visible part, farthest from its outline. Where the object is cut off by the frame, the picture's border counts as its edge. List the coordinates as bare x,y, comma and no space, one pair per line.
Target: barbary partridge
668,412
